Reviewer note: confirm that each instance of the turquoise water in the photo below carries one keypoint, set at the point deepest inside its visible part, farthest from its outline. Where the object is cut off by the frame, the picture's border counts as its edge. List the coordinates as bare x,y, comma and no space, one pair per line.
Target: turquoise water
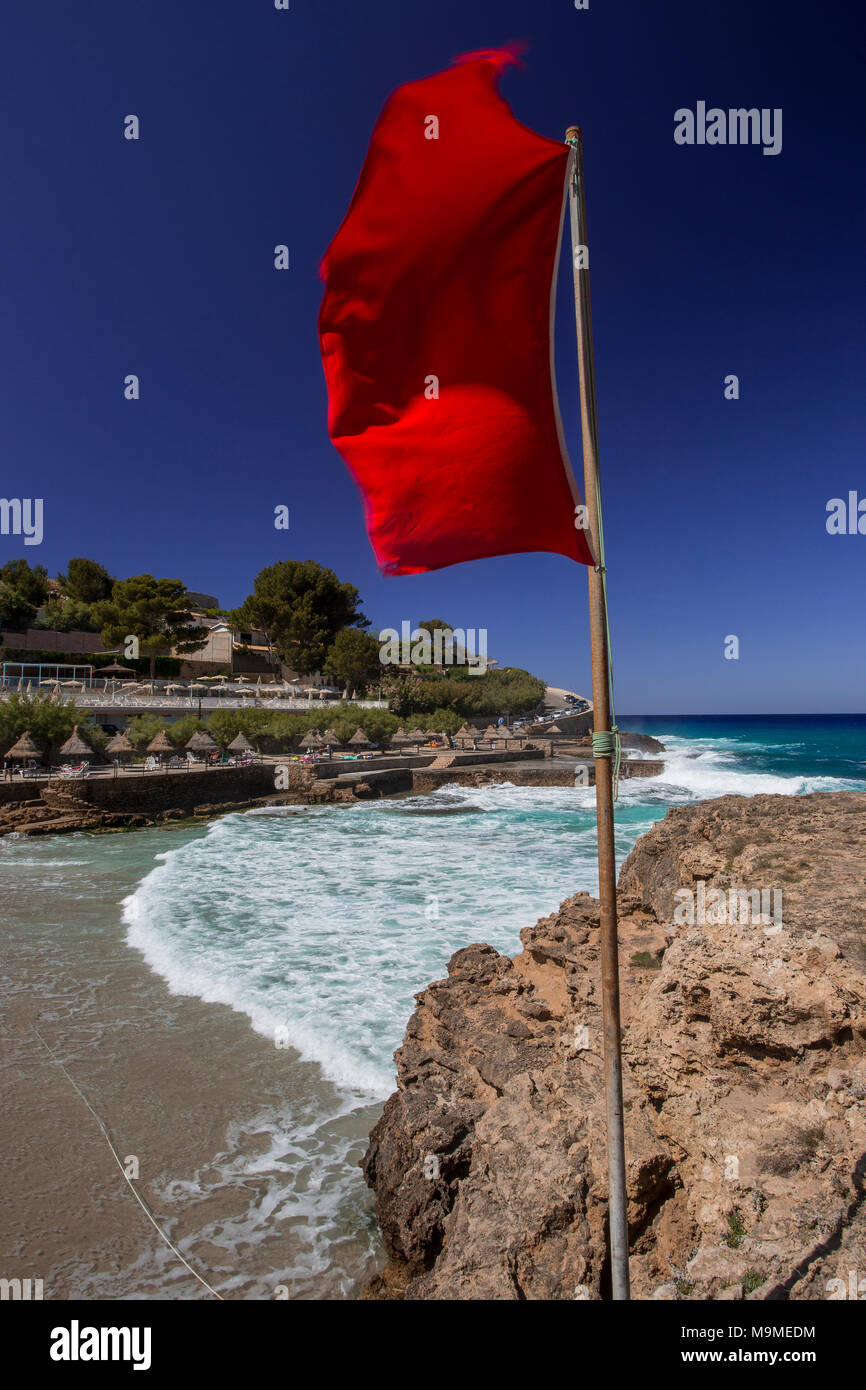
337,916
786,745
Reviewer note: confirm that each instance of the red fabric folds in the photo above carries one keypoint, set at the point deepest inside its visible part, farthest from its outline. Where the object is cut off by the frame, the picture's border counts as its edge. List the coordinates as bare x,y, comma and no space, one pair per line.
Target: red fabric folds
436,324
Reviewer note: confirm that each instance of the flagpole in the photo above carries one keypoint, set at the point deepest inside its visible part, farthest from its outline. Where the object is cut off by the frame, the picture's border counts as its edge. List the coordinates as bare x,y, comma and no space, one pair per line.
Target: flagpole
603,746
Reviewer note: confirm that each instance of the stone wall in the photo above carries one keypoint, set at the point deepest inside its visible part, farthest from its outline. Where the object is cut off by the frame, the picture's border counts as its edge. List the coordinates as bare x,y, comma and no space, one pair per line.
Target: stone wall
150,794
11,793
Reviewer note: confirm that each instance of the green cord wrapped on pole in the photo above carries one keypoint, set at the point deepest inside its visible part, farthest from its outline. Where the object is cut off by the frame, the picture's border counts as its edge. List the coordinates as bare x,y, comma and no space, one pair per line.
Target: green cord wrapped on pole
609,744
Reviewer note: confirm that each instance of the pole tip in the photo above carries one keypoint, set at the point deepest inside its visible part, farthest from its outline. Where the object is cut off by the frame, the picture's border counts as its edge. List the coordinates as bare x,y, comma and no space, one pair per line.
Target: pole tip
572,134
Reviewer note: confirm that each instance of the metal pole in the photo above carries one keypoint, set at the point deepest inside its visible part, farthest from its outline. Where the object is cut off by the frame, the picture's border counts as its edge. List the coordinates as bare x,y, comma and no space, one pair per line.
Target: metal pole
618,1207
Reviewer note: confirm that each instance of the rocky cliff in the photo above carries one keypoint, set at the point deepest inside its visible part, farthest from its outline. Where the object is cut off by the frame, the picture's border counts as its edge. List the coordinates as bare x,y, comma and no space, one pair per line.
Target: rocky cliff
745,1079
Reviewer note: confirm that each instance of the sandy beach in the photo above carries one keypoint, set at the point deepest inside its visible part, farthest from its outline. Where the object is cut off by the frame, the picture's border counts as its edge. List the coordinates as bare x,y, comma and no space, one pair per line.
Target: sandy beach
217,1118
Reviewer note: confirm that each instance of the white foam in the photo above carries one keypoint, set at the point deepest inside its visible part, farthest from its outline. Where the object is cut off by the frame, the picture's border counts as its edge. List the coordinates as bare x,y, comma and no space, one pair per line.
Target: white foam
321,923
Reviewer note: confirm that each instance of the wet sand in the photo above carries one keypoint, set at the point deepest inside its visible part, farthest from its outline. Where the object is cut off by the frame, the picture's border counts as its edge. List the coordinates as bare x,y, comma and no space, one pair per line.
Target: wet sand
235,1155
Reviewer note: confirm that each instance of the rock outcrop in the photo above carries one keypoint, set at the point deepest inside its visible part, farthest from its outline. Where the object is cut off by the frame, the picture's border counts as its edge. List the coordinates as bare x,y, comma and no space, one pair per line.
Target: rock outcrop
745,1079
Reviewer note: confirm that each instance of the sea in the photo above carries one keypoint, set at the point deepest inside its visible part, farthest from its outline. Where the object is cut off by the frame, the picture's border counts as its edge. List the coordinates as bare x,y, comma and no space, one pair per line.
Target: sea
310,930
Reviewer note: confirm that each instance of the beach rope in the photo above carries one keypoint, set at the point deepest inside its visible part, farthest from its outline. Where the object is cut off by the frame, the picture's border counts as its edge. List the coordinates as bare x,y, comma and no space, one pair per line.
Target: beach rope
141,1202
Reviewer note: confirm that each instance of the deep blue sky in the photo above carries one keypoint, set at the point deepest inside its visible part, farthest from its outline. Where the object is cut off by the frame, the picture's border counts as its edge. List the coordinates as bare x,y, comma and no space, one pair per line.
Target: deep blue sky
156,258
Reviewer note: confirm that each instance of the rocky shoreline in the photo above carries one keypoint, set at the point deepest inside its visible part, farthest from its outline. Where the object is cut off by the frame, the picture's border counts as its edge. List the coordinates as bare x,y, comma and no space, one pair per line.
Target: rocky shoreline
745,1080
134,801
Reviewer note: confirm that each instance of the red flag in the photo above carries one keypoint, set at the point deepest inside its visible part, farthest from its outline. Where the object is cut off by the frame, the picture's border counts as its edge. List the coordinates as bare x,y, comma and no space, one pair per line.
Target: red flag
436,329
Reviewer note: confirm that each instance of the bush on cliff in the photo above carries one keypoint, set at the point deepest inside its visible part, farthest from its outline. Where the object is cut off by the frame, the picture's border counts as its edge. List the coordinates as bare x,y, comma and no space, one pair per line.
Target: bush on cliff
511,691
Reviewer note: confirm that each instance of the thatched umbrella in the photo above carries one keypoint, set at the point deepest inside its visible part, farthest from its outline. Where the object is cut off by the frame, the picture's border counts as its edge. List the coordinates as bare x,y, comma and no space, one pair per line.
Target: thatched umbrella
312,740
116,671
331,736
491,732
25,748
75,747
240,744
161,744
201,742
400,736
119,746
359,739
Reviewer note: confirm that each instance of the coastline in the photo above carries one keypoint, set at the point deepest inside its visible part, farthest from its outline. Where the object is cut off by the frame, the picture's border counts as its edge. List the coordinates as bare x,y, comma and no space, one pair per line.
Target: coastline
137,800
266,1181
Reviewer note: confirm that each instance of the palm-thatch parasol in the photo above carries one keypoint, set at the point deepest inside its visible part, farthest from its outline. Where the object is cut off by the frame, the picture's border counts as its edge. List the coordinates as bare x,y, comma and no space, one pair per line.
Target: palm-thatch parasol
201,742
312,739
119,746
240,744
401,736
465,733
24,748
118,671
75,747
359,739
160,744
331,736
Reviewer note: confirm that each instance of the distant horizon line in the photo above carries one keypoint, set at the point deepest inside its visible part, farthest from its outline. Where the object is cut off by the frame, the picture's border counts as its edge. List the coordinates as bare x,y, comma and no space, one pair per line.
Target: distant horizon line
756,714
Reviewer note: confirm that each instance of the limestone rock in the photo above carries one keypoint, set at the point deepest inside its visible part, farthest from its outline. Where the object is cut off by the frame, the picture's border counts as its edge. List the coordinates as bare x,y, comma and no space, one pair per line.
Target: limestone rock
745,1079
